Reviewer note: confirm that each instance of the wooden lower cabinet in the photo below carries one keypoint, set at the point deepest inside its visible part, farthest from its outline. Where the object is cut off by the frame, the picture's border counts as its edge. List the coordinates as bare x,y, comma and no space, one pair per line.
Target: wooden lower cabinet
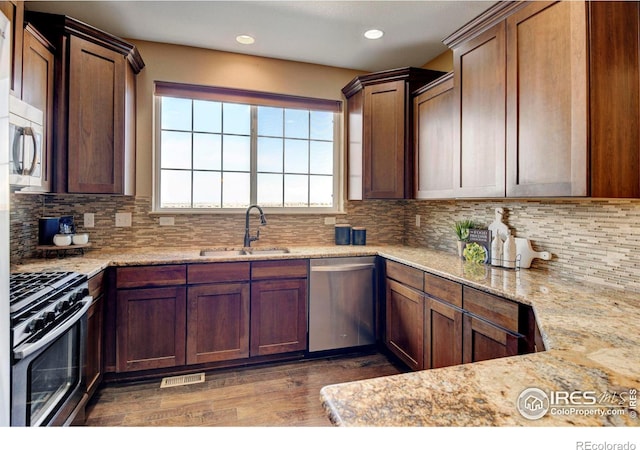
443,334
483,340
405,324
217,322
278,316
150,330
94,367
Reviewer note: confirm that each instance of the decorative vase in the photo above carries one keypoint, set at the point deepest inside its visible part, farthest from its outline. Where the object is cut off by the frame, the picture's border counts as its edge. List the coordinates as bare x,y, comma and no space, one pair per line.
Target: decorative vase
461,245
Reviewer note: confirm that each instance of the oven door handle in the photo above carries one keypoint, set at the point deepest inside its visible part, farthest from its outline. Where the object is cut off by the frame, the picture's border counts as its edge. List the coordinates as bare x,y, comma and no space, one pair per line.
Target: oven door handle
23,351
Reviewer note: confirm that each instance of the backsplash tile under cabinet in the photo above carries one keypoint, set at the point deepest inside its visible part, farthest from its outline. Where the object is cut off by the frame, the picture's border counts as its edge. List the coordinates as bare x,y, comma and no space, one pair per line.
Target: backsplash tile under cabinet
591,240
384,221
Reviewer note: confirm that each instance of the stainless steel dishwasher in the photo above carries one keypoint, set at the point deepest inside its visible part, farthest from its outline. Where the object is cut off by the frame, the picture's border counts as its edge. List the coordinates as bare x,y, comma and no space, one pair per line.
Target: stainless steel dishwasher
342,299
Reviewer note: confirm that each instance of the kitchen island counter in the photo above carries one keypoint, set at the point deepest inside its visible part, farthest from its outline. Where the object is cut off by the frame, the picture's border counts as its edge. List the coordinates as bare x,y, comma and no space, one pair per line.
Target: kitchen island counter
591,334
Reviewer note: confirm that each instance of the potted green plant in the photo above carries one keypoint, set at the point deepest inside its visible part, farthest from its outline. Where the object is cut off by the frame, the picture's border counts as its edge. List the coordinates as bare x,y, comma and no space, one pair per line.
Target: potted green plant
461,228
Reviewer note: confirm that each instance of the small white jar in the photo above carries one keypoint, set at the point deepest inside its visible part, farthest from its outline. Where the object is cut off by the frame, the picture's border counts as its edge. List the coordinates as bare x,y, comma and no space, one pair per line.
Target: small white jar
62,240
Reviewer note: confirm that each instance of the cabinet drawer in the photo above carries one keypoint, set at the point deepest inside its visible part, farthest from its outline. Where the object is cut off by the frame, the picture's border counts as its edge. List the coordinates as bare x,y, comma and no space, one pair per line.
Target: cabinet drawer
96,285
268,270
444,289
405,274
150,276
218,272
497,310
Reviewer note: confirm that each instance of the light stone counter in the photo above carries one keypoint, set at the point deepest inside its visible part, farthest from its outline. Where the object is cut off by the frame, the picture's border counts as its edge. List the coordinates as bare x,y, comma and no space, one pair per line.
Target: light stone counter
592,336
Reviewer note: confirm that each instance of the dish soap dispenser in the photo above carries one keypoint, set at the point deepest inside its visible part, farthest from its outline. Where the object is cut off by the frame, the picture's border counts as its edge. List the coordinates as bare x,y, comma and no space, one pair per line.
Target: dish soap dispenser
509,252
496,250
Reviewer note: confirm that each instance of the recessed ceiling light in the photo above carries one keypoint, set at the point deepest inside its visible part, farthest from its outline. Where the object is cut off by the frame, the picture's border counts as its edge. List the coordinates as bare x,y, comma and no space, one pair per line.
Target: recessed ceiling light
245,39
373,34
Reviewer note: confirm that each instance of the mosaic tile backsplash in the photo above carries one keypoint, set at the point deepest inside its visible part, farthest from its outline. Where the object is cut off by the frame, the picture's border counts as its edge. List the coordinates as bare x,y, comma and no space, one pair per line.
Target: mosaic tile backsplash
591,240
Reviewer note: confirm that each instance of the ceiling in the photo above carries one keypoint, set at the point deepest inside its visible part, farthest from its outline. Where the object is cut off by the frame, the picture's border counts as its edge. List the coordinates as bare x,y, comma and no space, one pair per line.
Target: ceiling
322,32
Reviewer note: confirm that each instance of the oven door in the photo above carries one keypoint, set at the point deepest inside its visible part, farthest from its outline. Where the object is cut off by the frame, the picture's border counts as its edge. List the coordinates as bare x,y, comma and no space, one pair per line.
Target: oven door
47,375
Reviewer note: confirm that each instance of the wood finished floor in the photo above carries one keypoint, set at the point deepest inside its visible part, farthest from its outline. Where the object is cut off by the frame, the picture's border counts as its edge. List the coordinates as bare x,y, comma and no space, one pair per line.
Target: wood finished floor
279,395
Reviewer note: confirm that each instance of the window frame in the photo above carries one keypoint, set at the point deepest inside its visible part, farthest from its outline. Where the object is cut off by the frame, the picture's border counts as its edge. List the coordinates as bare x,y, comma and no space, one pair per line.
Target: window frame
253,98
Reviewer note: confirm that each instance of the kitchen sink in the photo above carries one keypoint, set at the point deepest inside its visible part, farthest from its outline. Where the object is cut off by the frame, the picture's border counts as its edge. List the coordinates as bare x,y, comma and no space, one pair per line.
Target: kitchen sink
222,252
267,251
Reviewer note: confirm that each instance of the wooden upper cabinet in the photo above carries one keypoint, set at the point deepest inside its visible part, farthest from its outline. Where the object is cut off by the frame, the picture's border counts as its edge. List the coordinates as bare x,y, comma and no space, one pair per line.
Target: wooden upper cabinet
479,121
384,136
433,141
96,118
94,145
614,99
380,132
14,11
568,75
547,99
37,90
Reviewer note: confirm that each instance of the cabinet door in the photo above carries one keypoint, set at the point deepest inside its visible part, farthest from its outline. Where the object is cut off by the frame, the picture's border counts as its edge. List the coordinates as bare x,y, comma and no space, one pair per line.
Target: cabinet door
479,120
93,361
217,322
14,11
37,90
278,316
443,334
151,328
404,324
433,115
547,100
483,340
96,119
384,141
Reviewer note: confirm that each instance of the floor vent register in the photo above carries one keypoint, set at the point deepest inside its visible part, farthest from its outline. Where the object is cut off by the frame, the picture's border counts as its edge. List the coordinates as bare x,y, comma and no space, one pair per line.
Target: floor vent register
182,380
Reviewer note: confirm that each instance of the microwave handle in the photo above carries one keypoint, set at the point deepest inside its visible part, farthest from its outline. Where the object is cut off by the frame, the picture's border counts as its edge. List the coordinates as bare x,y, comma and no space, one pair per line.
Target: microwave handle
19,162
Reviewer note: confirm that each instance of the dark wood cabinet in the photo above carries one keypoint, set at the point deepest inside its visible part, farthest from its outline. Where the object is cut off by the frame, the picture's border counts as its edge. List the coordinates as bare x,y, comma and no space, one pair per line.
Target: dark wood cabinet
14,11
93,369
278,317
217,322
94,117
491,326
484,340
567,74
37,91
380,132
404,333
434,147
151,328
547,102
443,334
217,312
479,67
151,308
442,322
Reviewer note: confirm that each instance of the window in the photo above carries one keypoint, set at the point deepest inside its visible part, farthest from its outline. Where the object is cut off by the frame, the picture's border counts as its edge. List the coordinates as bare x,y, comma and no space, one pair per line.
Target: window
222,149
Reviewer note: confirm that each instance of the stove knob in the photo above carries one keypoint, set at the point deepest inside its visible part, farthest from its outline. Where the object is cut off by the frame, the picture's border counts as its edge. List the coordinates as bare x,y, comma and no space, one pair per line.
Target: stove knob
64,305
36,325
49,317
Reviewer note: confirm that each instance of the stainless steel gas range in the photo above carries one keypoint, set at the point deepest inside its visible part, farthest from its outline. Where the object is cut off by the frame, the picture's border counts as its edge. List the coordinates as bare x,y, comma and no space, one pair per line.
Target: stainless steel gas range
48,339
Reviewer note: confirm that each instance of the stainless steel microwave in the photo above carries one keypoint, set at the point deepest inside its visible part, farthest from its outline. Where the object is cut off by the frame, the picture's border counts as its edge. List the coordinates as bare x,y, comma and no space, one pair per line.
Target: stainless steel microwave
25,145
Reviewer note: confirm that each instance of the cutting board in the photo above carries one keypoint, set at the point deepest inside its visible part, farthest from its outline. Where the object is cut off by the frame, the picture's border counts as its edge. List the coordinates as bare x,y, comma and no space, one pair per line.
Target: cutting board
527,254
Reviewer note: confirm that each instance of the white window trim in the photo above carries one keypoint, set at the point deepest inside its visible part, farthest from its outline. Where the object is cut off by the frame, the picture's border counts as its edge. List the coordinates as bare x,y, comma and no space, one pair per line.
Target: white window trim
338,170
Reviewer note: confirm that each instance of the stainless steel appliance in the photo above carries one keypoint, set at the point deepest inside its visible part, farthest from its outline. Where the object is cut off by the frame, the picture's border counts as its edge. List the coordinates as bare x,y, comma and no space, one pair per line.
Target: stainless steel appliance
342,303
25,145
48,313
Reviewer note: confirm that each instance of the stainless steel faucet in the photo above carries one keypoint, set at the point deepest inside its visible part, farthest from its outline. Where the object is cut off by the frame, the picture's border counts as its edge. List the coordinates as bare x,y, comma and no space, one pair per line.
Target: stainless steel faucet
248,239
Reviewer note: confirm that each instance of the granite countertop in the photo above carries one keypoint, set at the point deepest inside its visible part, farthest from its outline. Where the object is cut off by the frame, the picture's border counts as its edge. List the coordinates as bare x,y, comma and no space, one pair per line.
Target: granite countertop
591,333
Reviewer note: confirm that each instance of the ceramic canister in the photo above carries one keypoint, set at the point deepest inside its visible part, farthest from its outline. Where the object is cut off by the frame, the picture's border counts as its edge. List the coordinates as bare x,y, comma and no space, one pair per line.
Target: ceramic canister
359,236
343,234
